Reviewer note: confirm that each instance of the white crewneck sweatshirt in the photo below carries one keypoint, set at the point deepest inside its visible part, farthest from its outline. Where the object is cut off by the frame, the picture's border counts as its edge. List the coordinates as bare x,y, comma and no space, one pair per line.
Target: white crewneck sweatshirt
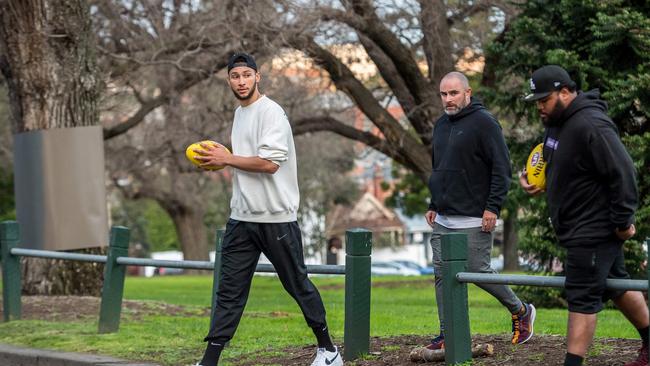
262,129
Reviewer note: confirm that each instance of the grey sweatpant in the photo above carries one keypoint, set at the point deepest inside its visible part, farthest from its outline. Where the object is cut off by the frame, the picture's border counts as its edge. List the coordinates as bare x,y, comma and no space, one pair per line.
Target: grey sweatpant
479,246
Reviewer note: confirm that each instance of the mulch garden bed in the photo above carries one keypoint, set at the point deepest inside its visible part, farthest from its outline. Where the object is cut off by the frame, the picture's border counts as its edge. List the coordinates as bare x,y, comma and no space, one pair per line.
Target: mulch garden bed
394,351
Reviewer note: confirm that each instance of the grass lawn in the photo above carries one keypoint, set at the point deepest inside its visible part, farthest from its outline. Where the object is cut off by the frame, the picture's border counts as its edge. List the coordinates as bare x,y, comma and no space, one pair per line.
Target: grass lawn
272,320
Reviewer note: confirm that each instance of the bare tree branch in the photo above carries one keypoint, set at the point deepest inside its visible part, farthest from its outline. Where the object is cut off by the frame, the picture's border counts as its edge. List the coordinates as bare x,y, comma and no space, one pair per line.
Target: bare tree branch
436,40
509,7
328,123
362,17
136,118
163,98
331,124
417,114
345,80
469,10
196,44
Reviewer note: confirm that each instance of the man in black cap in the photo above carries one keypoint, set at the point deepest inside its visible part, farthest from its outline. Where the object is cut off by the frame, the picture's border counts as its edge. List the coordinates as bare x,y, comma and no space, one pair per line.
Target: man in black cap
263,210
592,197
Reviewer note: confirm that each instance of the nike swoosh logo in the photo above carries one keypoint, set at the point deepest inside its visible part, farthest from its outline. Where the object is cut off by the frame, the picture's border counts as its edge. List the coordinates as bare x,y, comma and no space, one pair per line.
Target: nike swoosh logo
215,344
329,362
281,237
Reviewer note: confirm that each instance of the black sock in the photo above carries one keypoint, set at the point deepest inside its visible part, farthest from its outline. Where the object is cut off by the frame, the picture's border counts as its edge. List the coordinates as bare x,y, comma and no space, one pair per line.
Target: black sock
644,335
572,360
323,338
212,353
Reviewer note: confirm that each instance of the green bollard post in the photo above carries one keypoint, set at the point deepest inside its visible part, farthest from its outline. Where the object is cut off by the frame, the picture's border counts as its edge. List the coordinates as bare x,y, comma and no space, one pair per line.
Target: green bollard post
458,342
358,246
113,289
11,287
216,278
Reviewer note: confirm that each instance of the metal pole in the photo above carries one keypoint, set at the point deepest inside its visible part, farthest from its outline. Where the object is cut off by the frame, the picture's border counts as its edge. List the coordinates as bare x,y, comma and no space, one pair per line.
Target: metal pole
357,293
545,281
216,279
11,288
458,342
113,289
50,254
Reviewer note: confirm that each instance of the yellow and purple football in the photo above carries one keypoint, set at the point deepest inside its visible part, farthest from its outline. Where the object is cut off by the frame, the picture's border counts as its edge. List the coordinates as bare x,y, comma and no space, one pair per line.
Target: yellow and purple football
536,168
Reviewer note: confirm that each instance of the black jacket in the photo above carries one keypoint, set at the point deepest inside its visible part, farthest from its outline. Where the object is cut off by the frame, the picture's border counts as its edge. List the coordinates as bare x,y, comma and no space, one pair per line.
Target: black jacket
471,163
590,178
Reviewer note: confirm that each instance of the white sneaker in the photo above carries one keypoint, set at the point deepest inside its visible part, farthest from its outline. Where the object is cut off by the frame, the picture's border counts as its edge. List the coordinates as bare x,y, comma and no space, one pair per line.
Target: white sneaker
327,358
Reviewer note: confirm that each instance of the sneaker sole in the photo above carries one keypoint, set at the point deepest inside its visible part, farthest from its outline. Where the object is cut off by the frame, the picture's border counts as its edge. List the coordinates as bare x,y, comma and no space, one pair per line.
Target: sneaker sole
532,324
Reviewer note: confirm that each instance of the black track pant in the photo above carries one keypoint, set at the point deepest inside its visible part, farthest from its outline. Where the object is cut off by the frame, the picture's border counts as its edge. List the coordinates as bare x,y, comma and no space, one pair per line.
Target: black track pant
242,244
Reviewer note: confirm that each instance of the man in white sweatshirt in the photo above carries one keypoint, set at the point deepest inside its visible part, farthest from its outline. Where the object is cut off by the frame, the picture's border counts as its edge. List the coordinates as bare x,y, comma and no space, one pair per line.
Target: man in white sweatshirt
263,214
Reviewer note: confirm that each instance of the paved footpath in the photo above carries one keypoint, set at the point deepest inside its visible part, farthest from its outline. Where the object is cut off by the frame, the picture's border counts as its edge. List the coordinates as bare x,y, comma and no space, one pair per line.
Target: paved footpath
19,356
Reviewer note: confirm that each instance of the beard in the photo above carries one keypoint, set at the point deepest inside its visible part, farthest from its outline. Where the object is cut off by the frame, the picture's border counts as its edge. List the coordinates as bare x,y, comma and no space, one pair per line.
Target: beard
456,109
247,96
554,117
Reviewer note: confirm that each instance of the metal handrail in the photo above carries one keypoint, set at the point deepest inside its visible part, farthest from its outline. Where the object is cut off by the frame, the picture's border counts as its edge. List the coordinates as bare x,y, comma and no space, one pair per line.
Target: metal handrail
50,254
544,281
130,261
357,283
142,262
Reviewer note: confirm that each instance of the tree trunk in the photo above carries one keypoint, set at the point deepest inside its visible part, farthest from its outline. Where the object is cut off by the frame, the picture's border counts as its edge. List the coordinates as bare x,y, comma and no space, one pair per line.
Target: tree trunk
191,231
58,277
510,255
47,58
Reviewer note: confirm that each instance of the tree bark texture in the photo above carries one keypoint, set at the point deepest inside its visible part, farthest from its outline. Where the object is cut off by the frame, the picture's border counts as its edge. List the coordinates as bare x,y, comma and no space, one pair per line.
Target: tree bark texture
192,235
422,354
59,277
47,57
48,60
510,239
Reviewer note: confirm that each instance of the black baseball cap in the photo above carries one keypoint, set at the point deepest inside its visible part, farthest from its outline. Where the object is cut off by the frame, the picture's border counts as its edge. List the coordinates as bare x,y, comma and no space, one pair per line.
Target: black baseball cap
241,59
546,80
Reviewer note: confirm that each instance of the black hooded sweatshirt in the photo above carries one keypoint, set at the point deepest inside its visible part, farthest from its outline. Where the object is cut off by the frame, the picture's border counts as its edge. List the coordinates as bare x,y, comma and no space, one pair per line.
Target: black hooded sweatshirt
471,163
590,178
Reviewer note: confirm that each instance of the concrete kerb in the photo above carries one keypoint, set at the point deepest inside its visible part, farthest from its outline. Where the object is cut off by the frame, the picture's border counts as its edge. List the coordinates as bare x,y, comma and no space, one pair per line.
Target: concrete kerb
20,356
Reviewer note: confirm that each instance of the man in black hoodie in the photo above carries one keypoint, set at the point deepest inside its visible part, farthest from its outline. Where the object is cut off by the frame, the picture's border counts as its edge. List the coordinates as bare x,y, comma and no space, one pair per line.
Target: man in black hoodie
468,184
592,197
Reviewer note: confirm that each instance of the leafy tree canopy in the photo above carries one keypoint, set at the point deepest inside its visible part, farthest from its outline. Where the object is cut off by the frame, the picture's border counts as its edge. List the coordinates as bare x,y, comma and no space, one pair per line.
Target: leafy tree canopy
604,45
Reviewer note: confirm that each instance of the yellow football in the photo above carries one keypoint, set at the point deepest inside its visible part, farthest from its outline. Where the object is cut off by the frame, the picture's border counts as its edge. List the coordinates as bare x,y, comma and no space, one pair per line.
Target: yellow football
191,154
536,167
